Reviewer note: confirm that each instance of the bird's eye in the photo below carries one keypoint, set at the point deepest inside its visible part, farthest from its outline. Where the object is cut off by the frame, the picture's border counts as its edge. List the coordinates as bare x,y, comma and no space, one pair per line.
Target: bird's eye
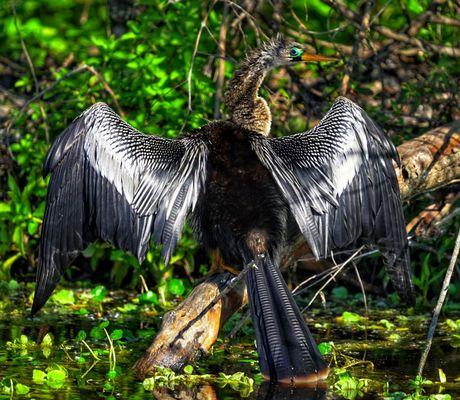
295,52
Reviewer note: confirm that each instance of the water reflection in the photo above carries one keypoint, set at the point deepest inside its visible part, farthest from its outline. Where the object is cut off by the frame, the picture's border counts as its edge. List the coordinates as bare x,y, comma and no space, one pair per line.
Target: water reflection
205,392
272,392
264,392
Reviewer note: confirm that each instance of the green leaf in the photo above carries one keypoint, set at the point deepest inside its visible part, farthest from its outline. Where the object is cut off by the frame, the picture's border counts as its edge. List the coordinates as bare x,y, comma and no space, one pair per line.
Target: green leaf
129,307
394,337
32,227
81,359
64,297
56,375
188,369
56,378
97,333
148,297
47,340
325,348
23,339
13,285
104,324
38,376
387,324
112,374
117,334
415,6
10,261
176,287
98,293
14,188
81,335
452,324
440,396
22,389
5,207
18,239
149,383
46,351
350,317
442,376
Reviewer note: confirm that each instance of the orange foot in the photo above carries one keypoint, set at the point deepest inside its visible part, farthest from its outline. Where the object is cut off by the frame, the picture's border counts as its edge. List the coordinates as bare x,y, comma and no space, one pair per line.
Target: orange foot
218,265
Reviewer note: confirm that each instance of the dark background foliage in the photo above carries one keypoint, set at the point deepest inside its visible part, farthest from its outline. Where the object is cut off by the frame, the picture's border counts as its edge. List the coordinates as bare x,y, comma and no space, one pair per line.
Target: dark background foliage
163,66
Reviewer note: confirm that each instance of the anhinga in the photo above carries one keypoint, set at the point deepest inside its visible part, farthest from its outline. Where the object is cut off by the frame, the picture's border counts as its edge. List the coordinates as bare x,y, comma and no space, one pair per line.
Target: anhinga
243,193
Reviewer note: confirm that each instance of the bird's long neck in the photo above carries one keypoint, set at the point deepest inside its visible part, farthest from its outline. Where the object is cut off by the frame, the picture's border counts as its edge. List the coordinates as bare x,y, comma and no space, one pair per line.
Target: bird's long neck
242,99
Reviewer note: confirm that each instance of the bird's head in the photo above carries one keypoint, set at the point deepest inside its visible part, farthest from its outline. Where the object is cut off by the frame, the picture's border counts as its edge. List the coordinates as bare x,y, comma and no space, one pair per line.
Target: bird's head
281,51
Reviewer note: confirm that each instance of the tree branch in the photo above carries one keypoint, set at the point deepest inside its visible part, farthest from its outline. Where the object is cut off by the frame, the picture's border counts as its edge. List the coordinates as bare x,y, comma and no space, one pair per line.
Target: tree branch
340,7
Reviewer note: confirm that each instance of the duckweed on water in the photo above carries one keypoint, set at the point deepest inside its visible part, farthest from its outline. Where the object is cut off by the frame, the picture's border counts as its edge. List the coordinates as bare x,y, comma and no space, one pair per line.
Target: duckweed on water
84,343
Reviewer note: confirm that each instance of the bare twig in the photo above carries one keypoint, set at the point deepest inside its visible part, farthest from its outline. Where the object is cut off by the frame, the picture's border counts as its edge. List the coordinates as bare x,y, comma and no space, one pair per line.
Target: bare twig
303,287
106,86
221,65
340,268
316,278
78,69
439,304
363,291
144,286
11,63
360,39
340,7
443,20
14,98
47,89
192,63
341,27
32,70
195,50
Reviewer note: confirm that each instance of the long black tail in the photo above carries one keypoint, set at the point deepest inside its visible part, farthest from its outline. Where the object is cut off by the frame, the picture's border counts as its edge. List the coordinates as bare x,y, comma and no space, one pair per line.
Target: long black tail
287,352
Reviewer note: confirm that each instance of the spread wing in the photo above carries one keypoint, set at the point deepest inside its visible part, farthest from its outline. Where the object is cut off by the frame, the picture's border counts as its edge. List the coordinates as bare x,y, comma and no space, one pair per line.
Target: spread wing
340,184
112,182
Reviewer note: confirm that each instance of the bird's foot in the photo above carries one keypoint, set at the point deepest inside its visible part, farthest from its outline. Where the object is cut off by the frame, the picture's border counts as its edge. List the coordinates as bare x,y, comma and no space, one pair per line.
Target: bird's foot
218,265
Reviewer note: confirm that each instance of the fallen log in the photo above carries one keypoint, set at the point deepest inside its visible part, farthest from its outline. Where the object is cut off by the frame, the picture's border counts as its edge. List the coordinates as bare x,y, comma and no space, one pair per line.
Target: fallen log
185,334
428,162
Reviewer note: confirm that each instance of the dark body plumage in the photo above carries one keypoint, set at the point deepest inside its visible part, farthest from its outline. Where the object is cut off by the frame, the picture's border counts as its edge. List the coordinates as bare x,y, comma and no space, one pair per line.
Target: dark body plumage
246,196
236,177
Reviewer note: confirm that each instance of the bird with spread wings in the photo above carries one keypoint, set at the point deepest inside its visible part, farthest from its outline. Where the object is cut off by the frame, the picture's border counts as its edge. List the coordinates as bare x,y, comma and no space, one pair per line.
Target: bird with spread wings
244,193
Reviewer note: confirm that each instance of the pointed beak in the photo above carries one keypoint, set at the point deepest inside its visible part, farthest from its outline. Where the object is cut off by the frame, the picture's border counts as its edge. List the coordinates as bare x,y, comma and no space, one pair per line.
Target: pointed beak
316,57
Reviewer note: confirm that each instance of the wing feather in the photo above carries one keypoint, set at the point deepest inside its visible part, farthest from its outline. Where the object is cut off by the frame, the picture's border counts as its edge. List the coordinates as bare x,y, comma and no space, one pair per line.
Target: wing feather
340,184
111,182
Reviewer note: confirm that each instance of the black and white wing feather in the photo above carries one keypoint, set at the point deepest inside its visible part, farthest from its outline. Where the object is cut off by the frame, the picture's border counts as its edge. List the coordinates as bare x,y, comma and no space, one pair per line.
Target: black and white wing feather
112,182
339,181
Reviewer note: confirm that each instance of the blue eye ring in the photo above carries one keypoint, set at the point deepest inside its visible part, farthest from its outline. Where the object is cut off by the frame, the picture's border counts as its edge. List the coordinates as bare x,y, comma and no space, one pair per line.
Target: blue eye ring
295,52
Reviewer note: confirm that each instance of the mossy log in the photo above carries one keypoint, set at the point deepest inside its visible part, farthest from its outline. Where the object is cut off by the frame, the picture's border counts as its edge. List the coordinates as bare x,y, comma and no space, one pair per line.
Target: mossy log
428,162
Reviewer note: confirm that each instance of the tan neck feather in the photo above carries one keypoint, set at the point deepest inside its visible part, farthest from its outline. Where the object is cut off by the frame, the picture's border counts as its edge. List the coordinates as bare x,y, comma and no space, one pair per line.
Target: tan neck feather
242,100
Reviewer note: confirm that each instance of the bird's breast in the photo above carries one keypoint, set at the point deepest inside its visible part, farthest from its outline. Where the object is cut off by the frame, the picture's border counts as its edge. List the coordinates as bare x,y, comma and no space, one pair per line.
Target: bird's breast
240,197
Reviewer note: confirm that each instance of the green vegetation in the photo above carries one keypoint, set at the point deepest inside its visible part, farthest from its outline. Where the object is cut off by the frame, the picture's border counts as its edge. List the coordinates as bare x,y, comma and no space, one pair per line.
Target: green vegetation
82,351
144,65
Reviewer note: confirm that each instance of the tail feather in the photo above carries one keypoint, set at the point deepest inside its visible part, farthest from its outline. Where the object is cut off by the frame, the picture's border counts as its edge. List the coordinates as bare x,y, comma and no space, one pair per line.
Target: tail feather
287,351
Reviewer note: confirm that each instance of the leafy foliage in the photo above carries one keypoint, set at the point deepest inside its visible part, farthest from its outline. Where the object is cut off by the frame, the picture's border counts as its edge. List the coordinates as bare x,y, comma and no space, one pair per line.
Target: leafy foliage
142,73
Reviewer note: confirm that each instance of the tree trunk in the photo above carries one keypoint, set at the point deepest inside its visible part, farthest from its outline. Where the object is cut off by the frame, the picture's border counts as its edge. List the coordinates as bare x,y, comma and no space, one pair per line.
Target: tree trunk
428,162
